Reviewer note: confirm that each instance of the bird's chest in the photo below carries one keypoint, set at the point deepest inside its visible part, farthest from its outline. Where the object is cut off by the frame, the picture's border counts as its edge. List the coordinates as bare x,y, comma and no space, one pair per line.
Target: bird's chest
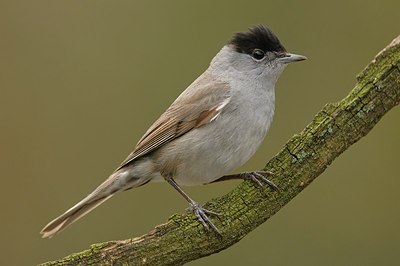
226,143
252,110
250,120
235,136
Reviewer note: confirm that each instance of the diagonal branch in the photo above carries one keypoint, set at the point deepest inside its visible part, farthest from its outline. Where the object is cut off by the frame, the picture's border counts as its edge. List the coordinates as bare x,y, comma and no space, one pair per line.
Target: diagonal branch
304,157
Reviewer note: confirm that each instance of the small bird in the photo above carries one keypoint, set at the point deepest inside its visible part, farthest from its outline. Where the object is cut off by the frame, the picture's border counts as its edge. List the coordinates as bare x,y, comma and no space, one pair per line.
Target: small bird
213,127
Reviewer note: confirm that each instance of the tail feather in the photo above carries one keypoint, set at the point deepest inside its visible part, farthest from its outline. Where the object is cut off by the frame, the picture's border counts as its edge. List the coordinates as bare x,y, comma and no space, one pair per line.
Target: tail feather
72,215
118,181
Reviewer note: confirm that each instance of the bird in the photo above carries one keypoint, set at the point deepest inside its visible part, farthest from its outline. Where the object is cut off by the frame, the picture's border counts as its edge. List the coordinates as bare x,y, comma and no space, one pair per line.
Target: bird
214,126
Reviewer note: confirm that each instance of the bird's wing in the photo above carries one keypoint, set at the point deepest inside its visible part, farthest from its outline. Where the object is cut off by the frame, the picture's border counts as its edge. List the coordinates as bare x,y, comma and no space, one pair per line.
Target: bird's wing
196,106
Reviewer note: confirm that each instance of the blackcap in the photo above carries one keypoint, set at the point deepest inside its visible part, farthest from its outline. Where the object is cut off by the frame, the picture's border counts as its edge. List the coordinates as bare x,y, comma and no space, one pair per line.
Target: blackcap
213,127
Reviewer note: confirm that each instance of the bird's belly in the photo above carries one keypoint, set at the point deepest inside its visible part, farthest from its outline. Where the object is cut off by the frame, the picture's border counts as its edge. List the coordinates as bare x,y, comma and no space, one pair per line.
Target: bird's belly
205,155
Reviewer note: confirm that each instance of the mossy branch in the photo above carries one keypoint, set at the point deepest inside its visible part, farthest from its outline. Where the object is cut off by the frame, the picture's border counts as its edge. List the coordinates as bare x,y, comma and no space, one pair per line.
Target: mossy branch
304,157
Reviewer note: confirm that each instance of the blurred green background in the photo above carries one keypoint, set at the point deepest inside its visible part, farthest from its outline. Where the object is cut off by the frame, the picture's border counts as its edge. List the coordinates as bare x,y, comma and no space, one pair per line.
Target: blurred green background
81,81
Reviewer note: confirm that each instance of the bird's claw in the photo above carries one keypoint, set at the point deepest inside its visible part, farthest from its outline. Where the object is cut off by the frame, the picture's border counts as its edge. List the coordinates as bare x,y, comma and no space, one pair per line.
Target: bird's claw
201,214
259,178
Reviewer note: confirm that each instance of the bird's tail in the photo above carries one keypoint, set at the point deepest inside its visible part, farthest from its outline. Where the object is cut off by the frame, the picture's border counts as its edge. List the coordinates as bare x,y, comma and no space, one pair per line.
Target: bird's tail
105,191
72,215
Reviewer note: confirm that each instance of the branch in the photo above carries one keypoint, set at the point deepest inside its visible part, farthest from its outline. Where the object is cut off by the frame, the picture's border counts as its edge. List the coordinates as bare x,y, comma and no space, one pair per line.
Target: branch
304,157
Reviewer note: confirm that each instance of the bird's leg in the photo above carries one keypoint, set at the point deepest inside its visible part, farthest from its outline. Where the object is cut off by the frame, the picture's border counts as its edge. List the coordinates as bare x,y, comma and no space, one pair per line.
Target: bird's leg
257,177
196,208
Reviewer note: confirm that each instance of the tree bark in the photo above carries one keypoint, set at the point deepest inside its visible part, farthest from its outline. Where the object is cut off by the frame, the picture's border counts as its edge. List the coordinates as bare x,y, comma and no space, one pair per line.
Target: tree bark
304,157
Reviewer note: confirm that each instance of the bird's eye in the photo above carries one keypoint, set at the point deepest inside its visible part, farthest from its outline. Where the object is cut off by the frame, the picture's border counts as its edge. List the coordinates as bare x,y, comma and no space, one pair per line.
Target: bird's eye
258,54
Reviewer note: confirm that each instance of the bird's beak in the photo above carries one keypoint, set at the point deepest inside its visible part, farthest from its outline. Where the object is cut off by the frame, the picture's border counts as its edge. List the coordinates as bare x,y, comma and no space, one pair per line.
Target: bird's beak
289,58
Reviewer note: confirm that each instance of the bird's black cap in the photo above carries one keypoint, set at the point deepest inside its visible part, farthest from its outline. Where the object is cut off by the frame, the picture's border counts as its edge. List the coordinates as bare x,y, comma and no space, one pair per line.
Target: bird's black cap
258,37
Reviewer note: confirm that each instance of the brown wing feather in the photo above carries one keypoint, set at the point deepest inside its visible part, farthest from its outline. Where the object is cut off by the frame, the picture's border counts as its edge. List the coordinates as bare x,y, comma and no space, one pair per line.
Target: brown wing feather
195,107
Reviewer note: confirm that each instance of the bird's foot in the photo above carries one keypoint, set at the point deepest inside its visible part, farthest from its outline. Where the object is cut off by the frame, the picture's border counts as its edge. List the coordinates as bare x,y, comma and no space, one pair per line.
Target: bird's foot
259,178
201,214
